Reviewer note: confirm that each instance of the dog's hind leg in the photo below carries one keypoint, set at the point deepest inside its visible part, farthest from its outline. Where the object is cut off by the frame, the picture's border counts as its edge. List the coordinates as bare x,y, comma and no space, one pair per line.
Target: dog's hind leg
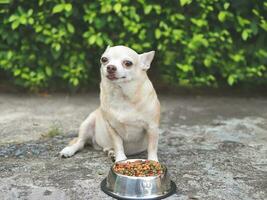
86,133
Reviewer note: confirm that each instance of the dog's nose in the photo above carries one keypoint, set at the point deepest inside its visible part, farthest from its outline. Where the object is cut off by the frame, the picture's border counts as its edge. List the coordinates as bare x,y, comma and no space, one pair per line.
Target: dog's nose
111,68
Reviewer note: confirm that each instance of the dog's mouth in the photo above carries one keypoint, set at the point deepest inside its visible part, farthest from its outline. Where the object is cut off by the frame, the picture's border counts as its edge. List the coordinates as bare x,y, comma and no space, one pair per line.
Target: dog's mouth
112,77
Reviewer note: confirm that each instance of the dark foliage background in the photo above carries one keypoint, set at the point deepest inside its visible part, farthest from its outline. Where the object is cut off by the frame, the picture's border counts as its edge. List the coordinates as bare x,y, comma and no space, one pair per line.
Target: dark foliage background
57,43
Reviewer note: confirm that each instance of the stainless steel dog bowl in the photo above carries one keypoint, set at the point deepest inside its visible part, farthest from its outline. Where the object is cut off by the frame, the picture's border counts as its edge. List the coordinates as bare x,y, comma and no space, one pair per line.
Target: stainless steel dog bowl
131,187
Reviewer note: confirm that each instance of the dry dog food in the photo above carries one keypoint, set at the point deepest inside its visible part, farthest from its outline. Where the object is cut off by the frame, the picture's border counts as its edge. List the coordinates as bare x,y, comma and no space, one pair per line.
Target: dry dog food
139,168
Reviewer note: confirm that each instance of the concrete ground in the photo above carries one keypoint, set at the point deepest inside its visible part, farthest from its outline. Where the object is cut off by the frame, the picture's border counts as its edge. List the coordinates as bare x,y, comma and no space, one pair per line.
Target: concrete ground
214,148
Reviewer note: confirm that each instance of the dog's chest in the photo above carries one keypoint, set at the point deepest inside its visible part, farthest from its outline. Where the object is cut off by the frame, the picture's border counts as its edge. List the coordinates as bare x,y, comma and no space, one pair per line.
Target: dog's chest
124,111
124,117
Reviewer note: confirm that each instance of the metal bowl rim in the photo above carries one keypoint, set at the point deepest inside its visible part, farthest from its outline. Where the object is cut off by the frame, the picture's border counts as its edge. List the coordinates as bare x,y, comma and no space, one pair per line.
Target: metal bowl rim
104,188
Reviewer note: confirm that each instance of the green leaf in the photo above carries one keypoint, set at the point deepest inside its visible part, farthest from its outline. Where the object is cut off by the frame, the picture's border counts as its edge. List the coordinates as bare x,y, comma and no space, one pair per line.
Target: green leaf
170,57
177,16
57,46
263,25
40,2
13,18
31,20
177,34
256,12
238,57
199,22
99,41
9,54
245,34
147,9
68,7
261,53
226,5
231,80
185,67
15,25
48,71
222,16
17,72
242,21
184,82
184,2
92,39
5,1
117,7
207,62
58,8
30,12
157,33
23,19
70,28
38,28
74,81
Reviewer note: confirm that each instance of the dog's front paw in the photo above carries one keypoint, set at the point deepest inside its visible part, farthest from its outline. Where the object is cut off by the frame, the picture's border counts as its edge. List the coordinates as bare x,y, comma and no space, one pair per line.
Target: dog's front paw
67,152
111,153
155,158
120,158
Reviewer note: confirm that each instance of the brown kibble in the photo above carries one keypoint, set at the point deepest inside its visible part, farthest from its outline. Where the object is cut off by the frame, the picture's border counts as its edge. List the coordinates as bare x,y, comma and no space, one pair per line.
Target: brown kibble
139,168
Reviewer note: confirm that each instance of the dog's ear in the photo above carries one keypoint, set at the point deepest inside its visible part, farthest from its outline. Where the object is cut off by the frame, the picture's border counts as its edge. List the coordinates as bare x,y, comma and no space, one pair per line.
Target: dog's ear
145,59
107,48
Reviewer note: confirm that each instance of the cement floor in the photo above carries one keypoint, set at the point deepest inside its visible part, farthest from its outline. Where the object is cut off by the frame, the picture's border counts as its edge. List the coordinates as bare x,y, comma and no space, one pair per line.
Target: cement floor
214,147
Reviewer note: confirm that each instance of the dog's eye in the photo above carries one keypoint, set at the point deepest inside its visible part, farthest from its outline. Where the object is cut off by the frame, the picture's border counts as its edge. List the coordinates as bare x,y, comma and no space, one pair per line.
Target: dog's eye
128,63
104,59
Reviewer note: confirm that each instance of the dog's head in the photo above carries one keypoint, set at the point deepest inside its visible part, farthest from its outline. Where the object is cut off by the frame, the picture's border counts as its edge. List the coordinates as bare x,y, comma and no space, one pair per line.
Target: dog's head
122,64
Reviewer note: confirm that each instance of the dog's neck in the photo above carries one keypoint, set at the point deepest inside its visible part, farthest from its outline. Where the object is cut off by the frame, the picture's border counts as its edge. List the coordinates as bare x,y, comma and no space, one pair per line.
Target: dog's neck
131,90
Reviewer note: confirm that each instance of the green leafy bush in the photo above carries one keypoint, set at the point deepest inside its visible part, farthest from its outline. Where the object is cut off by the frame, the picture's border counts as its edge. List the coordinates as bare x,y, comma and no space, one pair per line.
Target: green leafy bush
201,42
